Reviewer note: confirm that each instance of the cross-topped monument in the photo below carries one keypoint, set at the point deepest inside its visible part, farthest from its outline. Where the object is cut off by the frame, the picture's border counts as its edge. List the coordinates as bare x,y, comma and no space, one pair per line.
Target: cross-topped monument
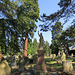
40,60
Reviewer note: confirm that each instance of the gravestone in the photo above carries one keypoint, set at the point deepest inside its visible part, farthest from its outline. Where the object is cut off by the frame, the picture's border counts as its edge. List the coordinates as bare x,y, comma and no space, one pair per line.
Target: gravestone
54,56
72,55
51,55
67,66
13,62
4,67
63,56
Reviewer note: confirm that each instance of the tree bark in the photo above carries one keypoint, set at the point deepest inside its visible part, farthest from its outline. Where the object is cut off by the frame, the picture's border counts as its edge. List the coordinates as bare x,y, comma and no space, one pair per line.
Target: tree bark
26,43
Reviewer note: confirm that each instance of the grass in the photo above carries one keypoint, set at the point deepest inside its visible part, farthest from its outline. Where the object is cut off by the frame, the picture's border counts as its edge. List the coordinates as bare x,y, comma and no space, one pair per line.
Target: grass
52,63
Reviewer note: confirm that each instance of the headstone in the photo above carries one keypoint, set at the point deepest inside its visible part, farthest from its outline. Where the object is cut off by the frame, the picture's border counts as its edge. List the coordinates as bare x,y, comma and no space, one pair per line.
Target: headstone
51,55
13,62
67,66
4,67
54,56
63,56
72,55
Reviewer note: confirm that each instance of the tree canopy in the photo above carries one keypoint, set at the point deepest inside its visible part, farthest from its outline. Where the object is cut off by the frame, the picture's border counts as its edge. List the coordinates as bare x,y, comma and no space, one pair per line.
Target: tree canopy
17,20
66,11
56,33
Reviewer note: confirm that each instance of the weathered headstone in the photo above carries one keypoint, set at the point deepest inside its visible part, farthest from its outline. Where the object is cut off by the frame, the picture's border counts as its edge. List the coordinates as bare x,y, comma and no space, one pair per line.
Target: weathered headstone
63,56
67,66
13,62
72,55
54,56
4,67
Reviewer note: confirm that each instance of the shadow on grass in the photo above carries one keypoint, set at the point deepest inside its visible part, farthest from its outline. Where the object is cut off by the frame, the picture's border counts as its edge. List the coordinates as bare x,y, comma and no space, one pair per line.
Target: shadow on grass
53,63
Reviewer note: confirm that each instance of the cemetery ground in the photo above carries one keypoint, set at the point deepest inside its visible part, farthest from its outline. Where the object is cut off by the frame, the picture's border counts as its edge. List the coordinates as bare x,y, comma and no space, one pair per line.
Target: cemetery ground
54,66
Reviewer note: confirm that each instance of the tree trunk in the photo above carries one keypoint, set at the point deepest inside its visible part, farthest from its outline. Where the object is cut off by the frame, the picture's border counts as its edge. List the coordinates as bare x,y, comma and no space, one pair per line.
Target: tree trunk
26,43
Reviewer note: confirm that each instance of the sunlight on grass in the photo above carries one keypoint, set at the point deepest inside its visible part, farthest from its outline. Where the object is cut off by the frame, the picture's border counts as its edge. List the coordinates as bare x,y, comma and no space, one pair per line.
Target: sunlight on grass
51,62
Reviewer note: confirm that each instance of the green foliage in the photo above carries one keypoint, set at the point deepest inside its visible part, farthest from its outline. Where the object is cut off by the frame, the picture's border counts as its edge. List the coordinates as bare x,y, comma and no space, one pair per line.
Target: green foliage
19,19
47,47
56,32
27,14
33,47
65,12
67,38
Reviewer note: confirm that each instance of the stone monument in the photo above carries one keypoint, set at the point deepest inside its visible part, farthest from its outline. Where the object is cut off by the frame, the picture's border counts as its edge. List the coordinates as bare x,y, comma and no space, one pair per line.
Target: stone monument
4,66
67,66
40,60
63,56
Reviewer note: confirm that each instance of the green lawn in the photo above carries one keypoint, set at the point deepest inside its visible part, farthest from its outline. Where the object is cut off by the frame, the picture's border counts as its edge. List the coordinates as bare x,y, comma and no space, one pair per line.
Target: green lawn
52,62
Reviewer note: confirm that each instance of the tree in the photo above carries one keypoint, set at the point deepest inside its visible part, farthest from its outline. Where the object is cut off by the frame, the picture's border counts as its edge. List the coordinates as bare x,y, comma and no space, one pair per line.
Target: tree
27,14
66,12
67,38
20,20
9,25
30,47
33,47
2,36
56,32
47,47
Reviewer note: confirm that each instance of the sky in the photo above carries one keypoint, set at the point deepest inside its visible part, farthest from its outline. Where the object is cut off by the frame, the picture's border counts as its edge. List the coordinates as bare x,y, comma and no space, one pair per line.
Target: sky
48,7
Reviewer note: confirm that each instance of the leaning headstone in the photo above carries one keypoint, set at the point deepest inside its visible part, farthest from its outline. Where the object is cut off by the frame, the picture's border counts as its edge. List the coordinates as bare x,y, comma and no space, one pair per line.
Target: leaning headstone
5,68
67,66
63,56
13,62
